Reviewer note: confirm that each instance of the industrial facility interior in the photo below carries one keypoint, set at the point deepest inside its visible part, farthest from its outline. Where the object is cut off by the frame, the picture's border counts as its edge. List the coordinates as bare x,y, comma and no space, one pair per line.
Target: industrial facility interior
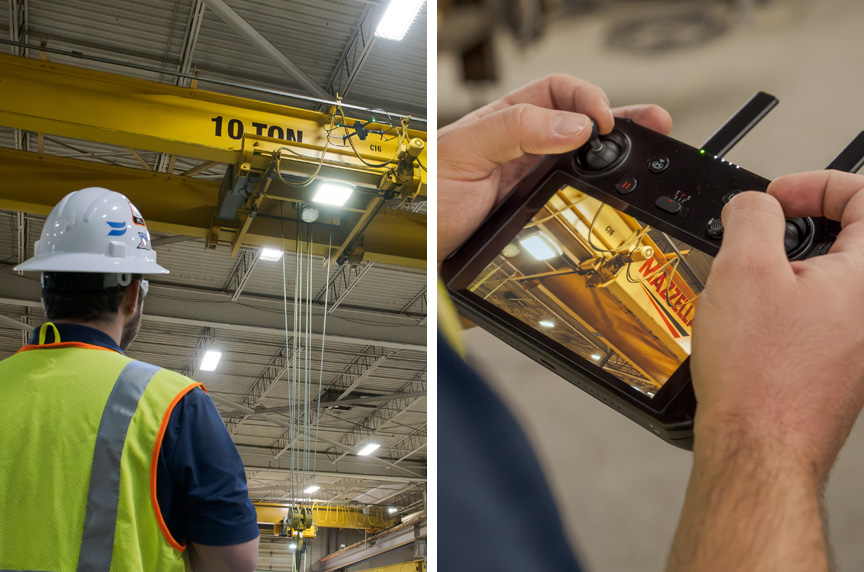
224,122
619,487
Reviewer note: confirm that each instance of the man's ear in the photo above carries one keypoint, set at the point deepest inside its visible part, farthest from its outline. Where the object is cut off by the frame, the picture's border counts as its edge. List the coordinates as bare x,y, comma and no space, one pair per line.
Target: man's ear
129,305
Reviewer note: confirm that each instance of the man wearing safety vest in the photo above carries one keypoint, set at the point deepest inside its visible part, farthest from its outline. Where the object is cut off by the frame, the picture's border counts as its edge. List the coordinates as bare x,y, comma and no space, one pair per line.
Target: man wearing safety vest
108,463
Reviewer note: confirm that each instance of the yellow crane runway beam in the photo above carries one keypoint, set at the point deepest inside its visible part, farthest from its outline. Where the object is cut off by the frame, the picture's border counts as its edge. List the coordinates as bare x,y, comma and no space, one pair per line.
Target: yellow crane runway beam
45,97
181,205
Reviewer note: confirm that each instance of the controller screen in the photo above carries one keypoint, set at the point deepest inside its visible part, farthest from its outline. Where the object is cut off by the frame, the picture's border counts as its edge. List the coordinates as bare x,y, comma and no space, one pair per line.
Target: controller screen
614,291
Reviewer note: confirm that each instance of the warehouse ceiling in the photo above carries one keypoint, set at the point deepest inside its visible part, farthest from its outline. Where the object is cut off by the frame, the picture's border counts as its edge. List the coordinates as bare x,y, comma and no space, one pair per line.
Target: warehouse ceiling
298,336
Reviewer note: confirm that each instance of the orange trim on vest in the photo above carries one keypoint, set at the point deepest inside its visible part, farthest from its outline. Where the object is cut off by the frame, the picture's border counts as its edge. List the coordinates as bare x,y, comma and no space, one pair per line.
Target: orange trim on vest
64,345
154,462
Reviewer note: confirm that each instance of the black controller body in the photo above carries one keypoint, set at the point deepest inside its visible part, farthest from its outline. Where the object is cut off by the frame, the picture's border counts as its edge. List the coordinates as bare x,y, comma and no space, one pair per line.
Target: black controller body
664,183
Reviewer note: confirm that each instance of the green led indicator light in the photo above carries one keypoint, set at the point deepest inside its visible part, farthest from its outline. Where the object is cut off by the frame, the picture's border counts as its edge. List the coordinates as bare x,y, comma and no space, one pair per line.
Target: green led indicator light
702,151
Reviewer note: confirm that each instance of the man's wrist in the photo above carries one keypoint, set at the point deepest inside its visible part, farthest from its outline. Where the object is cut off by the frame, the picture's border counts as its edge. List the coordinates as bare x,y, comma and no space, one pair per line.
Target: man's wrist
748,447
751,504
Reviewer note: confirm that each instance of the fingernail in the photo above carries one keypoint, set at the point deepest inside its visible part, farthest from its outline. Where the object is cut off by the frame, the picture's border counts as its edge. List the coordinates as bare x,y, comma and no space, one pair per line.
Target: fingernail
569,124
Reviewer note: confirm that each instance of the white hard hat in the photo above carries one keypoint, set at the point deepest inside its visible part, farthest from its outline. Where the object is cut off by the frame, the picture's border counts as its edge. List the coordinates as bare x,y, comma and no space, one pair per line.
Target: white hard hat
94,230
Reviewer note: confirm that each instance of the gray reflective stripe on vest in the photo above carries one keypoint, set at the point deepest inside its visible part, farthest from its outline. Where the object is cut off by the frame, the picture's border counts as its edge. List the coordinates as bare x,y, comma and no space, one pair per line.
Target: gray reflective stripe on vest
100,521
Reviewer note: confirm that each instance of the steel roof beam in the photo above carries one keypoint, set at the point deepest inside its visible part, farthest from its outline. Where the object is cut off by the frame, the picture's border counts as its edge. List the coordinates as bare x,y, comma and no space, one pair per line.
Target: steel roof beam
322,438
262,386
18,27
356,52
233,19
340,475
357,401
338,291
204,342
241,273
237,327
383,415
351,377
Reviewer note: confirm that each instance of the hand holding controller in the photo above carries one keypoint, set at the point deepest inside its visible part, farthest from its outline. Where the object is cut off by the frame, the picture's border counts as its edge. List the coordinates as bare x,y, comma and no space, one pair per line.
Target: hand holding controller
779,374
482,155
558,277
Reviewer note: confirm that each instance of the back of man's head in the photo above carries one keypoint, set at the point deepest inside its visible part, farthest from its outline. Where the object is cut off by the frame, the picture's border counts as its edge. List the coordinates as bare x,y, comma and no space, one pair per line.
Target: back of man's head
94,244
64,298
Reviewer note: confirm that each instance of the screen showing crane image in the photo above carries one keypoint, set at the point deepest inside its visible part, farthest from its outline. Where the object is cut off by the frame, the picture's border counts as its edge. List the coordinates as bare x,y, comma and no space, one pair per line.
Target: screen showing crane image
614,291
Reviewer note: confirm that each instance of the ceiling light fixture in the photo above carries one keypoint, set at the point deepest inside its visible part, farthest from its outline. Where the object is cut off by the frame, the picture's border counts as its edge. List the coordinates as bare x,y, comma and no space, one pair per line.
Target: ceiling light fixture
309,214
391,509
595,356
511,251
547,323
540,246
333,193
210,361
292,546
368,449
311,489
270,254
398,18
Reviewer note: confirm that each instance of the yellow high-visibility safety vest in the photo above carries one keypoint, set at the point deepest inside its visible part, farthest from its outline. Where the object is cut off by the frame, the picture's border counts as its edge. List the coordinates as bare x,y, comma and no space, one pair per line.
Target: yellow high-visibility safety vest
79,447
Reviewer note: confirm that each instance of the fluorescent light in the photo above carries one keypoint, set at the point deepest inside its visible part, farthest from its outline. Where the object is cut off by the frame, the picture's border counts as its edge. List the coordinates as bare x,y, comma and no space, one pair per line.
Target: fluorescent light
292,546
397,19
368,449
547,323
332,193
595,356
270,254
391,509
210,361
311,489
541,246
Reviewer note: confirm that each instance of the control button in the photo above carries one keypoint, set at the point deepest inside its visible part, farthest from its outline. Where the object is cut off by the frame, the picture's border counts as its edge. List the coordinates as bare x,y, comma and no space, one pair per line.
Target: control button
626,186
669,205
715,228
728,196
658,165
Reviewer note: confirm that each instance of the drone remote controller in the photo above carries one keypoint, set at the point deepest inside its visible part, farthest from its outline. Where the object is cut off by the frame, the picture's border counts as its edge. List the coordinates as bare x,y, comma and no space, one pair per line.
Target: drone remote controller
594,263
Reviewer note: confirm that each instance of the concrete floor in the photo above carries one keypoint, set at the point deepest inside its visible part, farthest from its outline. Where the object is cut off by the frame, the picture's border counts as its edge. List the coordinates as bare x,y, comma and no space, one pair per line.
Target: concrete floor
620,488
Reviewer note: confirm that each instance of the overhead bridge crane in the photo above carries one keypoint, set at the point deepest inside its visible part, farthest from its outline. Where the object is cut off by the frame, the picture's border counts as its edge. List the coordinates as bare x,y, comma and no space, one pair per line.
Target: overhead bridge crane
271,150
300,523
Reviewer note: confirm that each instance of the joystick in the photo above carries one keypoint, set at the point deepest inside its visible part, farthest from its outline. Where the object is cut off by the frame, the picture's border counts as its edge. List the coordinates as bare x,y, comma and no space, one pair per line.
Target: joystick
601,153
798,236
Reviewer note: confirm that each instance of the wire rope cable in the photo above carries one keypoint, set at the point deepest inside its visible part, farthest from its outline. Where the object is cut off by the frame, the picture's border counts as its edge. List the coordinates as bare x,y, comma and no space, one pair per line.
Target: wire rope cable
323,340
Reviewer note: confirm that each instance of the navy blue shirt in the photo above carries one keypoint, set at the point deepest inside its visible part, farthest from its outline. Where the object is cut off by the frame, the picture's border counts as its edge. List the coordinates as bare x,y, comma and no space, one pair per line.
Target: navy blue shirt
200,481
489,473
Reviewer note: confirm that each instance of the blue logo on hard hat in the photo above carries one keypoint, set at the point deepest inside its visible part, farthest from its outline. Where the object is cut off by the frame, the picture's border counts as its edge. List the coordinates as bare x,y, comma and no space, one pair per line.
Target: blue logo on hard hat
118,228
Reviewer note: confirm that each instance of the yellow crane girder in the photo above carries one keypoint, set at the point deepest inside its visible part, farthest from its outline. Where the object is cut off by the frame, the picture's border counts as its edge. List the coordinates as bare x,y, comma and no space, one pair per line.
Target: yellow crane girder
175,204
46,97
331,516
413,566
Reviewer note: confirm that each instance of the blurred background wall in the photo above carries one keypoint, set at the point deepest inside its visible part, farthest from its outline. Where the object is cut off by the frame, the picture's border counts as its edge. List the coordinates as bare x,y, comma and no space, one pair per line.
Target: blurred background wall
621,489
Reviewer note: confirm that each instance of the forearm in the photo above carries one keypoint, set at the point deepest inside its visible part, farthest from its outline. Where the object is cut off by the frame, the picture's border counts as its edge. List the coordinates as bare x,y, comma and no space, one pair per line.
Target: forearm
749,507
